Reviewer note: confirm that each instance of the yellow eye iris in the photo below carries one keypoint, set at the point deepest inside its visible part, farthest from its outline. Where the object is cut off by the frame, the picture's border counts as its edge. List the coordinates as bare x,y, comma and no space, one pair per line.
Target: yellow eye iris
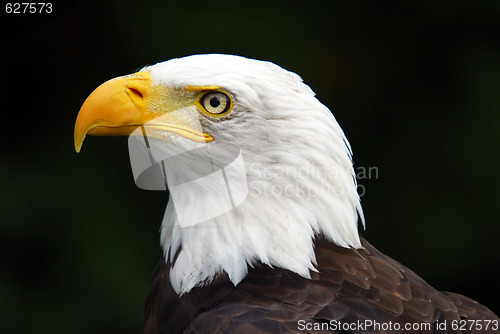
216,103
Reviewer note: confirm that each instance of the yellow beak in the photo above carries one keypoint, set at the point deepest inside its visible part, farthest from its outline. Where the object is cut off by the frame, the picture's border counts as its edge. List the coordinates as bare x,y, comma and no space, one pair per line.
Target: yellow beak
119,106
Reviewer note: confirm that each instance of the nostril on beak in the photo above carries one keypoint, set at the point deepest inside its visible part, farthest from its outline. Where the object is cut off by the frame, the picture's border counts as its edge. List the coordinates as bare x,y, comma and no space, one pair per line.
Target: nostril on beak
134,93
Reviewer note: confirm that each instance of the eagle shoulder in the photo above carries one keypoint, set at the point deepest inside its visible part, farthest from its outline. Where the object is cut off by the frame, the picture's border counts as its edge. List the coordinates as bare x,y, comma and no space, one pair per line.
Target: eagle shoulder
351,286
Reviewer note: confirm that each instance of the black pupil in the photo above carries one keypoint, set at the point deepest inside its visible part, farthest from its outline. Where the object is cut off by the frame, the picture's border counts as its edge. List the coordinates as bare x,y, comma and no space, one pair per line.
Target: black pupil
214,102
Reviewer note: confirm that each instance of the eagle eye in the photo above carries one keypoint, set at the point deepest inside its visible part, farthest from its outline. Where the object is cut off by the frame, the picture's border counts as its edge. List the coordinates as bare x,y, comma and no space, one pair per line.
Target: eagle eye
216,103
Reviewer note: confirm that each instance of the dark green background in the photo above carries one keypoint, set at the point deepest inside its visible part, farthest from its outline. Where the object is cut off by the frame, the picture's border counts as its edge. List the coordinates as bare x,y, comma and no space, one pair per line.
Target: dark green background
414,84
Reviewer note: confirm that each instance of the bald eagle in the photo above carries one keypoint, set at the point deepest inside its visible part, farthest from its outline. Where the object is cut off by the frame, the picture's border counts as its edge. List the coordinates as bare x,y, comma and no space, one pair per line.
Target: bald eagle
265,239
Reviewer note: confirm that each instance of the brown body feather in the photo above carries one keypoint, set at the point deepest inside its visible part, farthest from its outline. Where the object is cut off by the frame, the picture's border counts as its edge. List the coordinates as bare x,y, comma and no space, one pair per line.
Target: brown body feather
352,285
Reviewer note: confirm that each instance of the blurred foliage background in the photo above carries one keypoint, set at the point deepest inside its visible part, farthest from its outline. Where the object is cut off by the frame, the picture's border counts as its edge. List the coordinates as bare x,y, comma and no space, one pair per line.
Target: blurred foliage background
414,84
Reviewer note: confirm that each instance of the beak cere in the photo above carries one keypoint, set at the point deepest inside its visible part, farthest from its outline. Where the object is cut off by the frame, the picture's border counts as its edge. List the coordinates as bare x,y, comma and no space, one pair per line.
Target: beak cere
116,108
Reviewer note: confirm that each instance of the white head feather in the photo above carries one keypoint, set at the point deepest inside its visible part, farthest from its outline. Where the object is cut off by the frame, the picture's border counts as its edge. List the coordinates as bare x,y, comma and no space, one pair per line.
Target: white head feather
298,168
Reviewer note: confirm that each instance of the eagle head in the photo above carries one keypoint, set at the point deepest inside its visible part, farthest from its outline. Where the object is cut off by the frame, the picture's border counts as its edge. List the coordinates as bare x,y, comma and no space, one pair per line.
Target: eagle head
282,173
